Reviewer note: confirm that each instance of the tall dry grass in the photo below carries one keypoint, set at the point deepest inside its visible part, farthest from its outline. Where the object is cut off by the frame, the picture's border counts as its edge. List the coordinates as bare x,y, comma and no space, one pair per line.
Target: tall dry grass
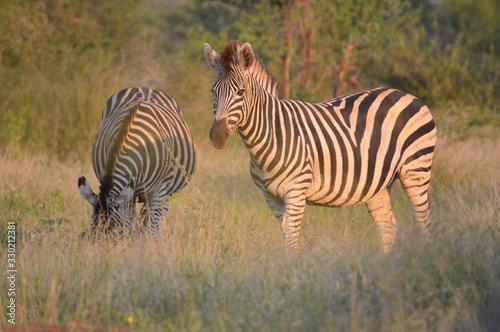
221,265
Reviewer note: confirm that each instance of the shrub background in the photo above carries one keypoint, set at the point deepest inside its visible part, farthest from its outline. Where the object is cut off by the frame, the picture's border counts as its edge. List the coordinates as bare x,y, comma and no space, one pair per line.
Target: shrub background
61,60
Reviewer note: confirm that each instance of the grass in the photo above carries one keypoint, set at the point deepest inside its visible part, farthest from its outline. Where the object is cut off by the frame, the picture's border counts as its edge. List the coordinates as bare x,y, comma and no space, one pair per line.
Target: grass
221,265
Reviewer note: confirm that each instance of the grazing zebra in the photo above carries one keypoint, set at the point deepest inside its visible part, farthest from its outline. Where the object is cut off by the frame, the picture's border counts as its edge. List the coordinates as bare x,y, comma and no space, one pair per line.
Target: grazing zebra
143,152
340,152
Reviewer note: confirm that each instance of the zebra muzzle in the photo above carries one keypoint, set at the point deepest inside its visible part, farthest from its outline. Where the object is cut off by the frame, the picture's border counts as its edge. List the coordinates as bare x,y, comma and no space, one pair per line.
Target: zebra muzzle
219,133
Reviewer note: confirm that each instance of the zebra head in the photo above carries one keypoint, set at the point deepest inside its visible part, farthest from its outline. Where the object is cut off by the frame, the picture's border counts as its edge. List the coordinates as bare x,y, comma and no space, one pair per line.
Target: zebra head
111,212
231,89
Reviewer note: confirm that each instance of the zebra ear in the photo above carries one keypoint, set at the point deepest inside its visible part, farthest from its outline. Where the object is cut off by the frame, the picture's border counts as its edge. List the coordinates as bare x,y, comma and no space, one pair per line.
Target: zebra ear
125,196
86,191
245,56
213,58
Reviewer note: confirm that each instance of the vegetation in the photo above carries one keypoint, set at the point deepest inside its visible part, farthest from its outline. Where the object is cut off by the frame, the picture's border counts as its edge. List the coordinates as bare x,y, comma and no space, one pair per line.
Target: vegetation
221,264
59,60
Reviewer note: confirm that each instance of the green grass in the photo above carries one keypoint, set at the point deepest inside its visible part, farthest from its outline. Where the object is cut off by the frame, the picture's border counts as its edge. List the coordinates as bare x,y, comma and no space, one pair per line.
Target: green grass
221,264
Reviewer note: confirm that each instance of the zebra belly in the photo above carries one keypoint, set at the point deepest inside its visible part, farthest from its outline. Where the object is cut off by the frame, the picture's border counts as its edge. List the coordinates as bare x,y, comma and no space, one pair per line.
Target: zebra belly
332,199
347,189
326,203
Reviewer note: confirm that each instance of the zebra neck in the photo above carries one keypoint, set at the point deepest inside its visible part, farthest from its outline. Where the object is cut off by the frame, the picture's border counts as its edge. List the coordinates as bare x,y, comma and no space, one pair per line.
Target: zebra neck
265,79
263,126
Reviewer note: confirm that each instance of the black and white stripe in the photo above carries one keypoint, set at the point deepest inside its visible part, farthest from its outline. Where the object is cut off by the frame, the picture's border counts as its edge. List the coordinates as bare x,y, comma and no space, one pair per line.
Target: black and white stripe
144,152
340,152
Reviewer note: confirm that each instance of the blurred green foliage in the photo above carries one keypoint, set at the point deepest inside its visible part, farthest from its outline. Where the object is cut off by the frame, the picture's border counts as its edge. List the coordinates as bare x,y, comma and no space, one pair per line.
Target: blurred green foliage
61,60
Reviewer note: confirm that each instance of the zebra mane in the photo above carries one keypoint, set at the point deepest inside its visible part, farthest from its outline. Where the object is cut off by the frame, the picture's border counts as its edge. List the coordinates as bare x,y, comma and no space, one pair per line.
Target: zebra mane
118,140
257,70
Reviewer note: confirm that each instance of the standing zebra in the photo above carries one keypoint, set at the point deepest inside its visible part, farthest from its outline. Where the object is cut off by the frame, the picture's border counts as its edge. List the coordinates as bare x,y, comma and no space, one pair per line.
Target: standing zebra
340,152
143,149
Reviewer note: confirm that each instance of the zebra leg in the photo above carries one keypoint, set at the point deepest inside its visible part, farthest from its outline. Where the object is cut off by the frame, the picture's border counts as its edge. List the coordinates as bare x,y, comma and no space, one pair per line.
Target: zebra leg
134,218
380,209
289,212
295,204
157,212
416,184
276,205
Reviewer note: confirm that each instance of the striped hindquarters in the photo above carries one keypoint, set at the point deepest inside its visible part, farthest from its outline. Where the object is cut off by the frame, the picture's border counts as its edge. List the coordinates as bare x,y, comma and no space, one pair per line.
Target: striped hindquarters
363,141
143,139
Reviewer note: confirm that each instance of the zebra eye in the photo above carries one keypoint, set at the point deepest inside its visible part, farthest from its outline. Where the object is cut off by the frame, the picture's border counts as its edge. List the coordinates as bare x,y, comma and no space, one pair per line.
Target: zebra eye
240,92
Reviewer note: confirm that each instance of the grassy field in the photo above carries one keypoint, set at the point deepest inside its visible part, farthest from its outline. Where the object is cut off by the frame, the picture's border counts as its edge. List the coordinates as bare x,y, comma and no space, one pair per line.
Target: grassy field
221,265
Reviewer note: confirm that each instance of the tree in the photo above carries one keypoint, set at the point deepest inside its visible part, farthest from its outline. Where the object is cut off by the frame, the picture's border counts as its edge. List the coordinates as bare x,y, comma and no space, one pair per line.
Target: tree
49,50
328,42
